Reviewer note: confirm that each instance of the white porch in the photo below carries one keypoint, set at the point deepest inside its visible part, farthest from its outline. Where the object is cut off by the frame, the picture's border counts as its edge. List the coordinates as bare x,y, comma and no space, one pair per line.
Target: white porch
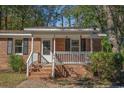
61,57
73,56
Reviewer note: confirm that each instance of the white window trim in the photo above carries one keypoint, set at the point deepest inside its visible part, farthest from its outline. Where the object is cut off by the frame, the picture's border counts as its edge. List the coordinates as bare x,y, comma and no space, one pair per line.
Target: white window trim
14,39
71,44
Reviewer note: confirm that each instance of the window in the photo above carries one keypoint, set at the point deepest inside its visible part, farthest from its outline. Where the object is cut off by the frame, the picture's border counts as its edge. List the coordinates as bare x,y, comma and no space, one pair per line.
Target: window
18,46
10,46
25,46
74,45
46,47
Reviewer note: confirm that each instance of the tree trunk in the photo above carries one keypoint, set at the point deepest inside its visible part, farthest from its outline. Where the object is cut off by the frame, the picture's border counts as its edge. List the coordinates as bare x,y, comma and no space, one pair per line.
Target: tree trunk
69,20
62,21
110,26
6,19
22,23
0,20
77,21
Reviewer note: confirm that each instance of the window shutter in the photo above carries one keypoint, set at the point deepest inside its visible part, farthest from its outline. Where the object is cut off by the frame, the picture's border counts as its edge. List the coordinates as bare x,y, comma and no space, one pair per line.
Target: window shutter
98,46
83,45
67,44
10,46
25,46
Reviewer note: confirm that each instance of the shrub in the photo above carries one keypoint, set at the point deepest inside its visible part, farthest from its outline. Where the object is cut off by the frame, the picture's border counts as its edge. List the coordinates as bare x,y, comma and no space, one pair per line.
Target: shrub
118,59
106,46
16,62
106,65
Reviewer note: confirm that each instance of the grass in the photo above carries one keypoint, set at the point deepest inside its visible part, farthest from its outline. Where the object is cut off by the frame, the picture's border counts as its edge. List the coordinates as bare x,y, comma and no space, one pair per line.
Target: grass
11,79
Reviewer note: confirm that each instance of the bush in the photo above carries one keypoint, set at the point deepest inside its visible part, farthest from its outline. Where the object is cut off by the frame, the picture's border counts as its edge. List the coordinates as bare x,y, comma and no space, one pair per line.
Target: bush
118,59
106,46
16,62
106,65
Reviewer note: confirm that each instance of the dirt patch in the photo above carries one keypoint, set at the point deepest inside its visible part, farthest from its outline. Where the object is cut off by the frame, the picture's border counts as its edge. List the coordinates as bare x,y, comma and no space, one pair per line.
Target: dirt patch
61,83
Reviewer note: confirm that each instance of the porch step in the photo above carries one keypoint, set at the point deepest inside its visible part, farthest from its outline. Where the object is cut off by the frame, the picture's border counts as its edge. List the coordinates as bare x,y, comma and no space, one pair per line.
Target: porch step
35,77
40,71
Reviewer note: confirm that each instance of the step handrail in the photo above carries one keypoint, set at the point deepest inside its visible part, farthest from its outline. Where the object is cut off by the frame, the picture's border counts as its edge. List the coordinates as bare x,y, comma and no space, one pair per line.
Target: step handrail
29,57
27,62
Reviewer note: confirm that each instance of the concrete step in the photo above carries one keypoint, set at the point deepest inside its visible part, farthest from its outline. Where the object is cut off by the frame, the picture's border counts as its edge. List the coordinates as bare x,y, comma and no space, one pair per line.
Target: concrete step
40,73
39,76
40,69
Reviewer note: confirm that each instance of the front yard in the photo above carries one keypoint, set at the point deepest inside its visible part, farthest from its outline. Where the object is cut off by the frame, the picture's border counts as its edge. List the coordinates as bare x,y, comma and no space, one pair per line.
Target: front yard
11,79
17,80
64,83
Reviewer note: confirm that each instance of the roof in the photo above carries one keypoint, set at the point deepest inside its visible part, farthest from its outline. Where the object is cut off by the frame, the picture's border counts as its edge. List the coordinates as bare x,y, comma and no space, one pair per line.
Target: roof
60,29
51,30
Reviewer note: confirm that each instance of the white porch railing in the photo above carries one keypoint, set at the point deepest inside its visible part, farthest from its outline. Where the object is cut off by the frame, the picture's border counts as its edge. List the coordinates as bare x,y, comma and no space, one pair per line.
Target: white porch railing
64,57
33,57
44,60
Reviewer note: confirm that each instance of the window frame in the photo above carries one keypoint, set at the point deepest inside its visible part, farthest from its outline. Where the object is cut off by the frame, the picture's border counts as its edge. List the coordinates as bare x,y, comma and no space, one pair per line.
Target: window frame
18,46
71,46
8,40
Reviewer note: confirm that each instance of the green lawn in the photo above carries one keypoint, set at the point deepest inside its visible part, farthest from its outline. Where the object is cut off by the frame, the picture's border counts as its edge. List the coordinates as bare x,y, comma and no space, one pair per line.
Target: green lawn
11,79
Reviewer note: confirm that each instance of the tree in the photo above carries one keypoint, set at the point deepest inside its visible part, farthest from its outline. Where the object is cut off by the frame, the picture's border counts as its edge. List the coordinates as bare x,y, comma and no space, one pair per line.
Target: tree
110,26
108,18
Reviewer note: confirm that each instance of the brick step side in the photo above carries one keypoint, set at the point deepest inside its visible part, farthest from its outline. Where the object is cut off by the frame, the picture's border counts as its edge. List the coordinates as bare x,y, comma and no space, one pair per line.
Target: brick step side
40,72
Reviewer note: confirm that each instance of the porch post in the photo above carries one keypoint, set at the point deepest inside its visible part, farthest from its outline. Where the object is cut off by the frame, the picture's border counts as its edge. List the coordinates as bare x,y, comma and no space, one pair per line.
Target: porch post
32,47
53,63
32,43
91,44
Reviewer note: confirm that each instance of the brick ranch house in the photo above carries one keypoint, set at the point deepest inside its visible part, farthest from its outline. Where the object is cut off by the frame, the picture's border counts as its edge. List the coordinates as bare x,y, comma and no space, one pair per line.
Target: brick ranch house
50,52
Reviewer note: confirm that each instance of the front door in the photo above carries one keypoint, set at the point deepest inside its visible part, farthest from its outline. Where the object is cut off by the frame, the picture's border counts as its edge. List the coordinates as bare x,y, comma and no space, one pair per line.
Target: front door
47,49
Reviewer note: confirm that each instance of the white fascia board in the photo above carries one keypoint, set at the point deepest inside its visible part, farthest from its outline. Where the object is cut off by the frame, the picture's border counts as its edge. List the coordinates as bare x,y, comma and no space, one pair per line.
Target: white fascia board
12,34
57,29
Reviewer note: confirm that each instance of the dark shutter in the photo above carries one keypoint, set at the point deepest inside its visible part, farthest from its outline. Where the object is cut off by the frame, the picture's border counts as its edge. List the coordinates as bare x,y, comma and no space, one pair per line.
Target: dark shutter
83,44
10,46
67,44
97,44
25,46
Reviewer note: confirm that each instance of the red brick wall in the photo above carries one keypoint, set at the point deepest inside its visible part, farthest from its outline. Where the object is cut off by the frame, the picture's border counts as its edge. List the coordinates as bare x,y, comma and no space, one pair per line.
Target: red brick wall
37,45
60,44
3,51
97,44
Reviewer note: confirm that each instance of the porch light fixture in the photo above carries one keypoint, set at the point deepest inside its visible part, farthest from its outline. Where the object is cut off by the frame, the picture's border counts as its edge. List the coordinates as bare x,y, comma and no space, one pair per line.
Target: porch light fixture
66,37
